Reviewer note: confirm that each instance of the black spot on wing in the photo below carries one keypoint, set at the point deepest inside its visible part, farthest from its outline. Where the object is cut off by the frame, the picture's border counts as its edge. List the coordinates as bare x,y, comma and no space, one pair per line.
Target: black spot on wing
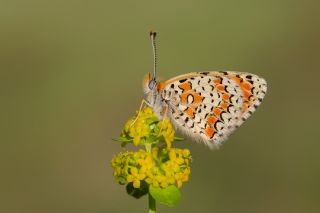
249,76
228,109
182,80
204,73
232,95
224,72
221,117
215,124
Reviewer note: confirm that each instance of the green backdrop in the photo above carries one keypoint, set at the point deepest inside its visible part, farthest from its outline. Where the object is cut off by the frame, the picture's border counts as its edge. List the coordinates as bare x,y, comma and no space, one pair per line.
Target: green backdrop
70,77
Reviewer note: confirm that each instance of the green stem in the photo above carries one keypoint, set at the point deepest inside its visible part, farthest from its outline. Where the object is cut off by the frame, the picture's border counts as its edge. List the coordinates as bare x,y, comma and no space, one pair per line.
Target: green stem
152,201
148,147
152,204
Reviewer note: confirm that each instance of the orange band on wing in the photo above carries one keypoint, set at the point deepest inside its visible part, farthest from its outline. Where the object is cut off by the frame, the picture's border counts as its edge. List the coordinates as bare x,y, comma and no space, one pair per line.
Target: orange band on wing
212,120
220,87
216,112
236,79
246,95
185,86
197,98
225,97
217,81
184,98
245,86
190,112
224,106
209,132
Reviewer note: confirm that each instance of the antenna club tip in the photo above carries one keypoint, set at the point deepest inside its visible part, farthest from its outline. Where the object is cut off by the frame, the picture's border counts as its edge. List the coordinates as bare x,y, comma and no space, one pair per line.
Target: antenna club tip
153,33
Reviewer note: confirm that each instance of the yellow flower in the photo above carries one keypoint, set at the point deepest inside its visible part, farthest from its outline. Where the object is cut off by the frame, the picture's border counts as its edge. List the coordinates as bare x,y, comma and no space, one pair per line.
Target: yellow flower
145,127
152,179
167,131
186,152
155,152
136,176
137,127
159,166
172,154
136,184
141,165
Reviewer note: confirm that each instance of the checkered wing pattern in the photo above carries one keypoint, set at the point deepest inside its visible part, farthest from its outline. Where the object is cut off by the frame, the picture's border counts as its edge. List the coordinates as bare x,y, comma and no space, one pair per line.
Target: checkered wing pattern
211,105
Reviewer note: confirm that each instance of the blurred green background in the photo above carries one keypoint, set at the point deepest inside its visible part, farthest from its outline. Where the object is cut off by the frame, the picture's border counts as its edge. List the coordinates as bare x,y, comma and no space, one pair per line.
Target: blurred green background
70,77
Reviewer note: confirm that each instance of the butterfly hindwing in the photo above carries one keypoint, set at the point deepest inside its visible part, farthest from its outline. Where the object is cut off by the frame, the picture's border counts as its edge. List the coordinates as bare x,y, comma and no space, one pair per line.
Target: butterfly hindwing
210,105
254,89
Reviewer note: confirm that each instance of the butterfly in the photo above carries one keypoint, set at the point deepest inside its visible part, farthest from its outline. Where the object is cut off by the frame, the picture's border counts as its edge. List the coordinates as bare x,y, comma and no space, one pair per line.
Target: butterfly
207,106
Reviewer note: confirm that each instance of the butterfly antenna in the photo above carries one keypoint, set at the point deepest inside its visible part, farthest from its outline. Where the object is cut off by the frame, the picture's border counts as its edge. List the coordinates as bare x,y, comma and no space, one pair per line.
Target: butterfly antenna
154,48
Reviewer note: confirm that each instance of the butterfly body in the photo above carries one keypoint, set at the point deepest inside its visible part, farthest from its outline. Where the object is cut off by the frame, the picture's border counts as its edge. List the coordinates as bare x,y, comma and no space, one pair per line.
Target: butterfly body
208,106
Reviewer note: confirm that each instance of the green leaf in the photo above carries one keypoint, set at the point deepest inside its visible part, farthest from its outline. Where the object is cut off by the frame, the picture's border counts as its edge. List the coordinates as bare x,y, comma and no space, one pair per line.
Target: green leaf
169,196
152,120
143,141
121,180
122,139
152,139
137,193
178,138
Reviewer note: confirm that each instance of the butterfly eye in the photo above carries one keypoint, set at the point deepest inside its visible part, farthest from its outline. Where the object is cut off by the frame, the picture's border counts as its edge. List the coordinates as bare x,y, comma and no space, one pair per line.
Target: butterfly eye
152,83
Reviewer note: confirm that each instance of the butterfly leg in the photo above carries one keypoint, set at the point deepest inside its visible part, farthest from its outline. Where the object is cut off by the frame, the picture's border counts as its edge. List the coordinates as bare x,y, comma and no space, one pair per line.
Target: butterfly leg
143,102
164,115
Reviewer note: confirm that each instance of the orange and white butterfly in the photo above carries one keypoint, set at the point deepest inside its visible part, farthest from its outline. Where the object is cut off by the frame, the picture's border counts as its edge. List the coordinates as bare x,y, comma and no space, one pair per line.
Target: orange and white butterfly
207,106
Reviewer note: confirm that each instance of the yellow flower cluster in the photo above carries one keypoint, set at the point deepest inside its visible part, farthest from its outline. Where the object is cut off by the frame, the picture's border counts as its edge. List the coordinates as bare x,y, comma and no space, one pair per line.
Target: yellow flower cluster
174,168
148,128
161,167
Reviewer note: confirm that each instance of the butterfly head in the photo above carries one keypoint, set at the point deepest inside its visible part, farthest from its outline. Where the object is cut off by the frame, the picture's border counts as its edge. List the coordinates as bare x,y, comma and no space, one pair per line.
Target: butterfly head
149,83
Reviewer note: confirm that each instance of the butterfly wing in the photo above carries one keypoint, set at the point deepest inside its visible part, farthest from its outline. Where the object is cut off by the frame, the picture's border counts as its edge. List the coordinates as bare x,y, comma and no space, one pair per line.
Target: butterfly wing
254,89
211,105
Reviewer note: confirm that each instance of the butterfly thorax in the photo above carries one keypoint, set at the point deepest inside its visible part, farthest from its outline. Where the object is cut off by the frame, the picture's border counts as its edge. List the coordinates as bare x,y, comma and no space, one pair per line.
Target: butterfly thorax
155,96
